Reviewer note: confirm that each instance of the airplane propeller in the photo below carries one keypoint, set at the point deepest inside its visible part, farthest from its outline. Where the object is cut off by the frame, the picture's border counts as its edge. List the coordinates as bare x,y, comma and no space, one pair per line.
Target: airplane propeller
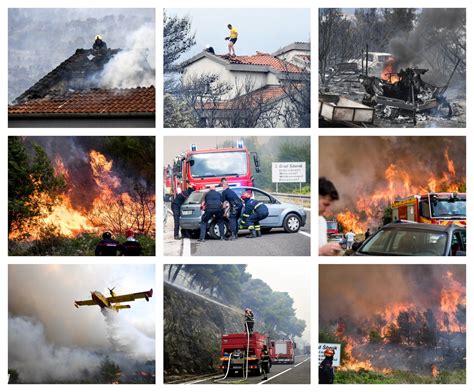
111,291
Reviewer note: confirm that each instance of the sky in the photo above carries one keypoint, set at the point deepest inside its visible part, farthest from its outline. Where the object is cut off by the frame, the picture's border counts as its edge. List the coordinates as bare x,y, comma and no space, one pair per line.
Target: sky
174,145
293,278
264,30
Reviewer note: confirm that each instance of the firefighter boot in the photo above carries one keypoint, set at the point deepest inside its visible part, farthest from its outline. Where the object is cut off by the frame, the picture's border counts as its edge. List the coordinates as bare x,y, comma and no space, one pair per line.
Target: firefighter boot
253,234
259,232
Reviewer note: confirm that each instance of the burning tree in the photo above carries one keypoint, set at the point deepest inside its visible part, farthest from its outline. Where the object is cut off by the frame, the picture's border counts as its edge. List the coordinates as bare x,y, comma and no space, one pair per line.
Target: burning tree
418,326
78,194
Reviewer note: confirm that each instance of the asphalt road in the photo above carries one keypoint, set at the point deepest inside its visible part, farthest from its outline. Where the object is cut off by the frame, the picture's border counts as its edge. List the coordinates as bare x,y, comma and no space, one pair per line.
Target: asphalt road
275,243
297,373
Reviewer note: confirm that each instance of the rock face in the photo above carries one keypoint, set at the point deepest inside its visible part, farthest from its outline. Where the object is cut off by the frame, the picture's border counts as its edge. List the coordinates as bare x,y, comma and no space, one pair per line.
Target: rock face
192,332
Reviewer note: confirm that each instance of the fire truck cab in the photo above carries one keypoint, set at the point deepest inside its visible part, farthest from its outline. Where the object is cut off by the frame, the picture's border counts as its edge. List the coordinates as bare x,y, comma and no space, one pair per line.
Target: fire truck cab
202,168
442,208
234,352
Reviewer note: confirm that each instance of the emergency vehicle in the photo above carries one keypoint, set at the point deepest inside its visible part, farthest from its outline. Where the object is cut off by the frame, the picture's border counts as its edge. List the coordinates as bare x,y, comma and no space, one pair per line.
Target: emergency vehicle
442,208
283,351
202,168
234,352
332,227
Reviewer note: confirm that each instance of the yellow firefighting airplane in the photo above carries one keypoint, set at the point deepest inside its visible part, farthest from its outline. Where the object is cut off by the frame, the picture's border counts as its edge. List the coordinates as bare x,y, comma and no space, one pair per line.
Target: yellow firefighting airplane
113,302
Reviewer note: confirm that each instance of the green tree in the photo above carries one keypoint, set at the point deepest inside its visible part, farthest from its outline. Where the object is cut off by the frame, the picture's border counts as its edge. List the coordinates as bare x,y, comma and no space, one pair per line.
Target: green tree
109,372
177,39
14,377
375,337
29,175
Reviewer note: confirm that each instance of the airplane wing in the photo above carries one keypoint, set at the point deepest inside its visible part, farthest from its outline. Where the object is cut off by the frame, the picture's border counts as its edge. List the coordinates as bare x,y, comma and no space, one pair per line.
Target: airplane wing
88,302
131,297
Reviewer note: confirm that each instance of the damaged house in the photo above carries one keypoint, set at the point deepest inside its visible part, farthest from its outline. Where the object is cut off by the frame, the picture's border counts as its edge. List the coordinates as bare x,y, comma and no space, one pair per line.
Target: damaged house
74,94
259,90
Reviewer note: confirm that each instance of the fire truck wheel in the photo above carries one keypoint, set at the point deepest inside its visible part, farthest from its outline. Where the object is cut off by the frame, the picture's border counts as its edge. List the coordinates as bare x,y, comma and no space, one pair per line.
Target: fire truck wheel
292,223
214,230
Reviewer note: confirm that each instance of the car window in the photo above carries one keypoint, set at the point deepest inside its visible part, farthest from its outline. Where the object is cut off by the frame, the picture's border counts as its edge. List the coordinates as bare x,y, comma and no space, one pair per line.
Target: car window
458,243
261,197
195,198
406,242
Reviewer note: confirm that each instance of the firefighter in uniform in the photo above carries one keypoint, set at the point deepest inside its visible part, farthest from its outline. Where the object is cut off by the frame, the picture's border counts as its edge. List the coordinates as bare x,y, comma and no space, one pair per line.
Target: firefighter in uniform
265,359
131,247
235,208
212,208
99,43
249,320
107,246
254,211
326,371
176,208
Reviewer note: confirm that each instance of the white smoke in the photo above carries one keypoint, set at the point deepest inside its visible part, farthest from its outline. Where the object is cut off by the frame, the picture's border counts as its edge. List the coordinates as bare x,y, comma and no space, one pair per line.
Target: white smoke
134,66
38,360
127,339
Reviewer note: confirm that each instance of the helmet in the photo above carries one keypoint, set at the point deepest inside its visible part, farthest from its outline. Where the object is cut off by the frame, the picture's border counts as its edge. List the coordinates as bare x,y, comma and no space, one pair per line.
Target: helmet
129,233
329,352
246,194
98,37
106,235
247,309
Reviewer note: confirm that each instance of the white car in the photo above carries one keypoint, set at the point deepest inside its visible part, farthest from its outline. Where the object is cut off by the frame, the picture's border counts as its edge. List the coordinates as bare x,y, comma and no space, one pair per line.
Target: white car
377,61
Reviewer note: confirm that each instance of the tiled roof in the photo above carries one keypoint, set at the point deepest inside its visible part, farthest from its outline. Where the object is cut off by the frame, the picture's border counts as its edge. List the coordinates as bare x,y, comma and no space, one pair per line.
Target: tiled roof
94,101
264,59
260,96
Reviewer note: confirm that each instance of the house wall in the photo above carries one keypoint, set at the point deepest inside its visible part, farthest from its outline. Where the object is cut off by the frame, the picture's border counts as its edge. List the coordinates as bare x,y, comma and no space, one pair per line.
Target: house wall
237,79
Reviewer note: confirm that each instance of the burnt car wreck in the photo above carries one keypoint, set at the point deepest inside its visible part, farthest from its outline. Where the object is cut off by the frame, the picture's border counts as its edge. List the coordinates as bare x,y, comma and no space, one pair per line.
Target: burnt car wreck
405,94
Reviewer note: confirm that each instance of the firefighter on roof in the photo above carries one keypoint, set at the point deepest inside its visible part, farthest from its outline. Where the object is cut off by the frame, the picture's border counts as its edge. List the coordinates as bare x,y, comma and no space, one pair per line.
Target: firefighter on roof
254,212
131,247
108,246
249,320
99,44
326,371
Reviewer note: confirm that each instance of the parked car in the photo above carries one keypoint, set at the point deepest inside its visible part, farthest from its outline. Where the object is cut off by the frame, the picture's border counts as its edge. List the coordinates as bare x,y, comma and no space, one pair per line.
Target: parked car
290,217
414,239
339,238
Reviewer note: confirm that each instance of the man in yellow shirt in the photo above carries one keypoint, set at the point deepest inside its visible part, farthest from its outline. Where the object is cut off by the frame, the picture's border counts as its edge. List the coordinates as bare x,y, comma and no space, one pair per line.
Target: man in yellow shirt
232,38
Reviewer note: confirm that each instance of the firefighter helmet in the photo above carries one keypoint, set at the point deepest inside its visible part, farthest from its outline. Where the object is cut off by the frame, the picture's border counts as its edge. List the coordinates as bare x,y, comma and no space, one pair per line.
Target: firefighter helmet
247,194
329,352
98,37
107,235
129,233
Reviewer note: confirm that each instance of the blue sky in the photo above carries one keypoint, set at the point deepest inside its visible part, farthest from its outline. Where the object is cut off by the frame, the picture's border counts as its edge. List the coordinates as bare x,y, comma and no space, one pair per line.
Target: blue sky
265,30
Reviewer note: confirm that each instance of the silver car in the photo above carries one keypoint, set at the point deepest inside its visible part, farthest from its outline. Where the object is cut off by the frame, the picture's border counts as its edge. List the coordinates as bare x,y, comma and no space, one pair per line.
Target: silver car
290,217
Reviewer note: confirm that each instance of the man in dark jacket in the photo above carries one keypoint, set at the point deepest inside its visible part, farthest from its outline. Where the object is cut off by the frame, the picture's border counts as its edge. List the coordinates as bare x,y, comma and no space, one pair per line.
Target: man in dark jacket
254,212
326,371
176,208
131,247
99,44
265,360
212,208
107,246
235,204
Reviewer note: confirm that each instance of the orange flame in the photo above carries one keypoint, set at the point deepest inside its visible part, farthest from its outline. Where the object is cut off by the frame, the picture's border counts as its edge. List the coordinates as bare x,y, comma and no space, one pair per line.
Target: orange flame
388,73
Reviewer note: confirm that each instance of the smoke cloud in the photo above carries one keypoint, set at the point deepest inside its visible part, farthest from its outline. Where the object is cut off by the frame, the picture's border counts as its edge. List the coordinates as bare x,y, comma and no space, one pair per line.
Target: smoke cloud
130,67
361,291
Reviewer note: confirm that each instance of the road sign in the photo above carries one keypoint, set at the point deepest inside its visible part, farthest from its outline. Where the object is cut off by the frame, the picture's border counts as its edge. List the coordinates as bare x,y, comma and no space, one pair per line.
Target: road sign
337,352
288,172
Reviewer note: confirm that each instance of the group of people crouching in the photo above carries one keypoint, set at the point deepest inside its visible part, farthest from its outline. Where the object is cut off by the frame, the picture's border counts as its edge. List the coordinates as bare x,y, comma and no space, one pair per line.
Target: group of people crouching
244,208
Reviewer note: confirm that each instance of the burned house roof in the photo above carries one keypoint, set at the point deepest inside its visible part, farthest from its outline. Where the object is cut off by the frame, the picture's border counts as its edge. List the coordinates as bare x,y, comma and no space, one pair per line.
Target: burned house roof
73,88
93,101
259,62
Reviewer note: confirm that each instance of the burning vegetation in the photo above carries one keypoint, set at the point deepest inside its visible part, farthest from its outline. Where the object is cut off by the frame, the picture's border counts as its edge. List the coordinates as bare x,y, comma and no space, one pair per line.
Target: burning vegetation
66,188
406,66
372,172
395,319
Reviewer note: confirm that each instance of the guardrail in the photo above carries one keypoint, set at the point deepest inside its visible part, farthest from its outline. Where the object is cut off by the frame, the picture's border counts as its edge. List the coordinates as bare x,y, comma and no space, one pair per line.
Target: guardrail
302,200
292,195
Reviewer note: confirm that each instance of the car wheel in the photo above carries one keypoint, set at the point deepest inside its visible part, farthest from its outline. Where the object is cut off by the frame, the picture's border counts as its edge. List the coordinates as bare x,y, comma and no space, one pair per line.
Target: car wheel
292,223
214,230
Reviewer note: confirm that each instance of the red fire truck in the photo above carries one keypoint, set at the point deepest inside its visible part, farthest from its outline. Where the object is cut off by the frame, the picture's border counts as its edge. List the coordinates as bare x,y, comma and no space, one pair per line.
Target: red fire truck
283,351
202,168
442,208
234,352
